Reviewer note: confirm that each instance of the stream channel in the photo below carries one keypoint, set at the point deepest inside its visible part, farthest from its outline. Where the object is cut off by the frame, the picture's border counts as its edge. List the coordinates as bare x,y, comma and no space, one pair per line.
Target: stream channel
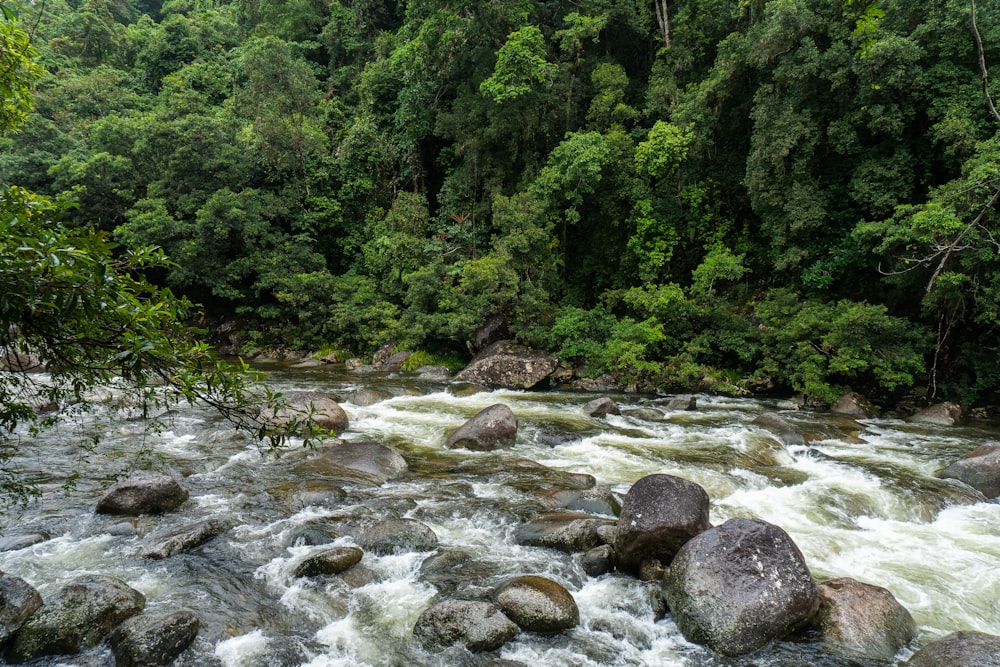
860,499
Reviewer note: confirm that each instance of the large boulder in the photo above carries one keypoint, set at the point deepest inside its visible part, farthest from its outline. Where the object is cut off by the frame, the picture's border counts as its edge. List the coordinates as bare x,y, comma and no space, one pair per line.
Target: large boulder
357,462
492,428
184,538
738,586
939,414
571,532
854,405
780,428
862,621
538,604
143,494
391,536
980,470
304,407
506,364
601,407
659,514
959,649
328,561
478,626
18,601
77,617
152,641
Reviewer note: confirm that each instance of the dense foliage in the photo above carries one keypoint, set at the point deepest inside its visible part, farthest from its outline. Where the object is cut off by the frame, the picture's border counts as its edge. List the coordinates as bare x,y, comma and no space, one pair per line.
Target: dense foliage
742,194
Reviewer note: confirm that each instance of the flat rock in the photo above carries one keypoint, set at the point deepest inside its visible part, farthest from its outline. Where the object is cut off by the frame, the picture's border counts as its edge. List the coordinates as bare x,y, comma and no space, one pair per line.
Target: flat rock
359,462
506,364
184,539
398,536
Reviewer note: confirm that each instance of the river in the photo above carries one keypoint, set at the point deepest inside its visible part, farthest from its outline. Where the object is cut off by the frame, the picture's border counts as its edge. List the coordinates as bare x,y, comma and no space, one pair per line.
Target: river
860,499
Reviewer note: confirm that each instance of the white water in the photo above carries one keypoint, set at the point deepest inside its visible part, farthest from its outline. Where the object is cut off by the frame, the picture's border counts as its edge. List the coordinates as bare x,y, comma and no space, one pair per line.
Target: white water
860,500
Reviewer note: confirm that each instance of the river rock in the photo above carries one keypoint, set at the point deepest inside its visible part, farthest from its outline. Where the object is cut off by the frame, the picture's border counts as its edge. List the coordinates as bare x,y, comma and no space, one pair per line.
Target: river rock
302,406
370,396
506,364
571,532
681,403
383,353
328,561
18,601
143,494
738,586
862,621
395,362
538,604
854,405
493,329
959,649
152,641
184,539
479,626
601,407
78,616
599,560
980,470
398,536
598,500
492,428
939,414
19,361
359,462
770,421
659,514
18,542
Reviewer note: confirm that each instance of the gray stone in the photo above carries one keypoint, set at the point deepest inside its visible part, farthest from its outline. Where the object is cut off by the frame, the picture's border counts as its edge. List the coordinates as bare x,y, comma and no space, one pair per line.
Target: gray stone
329,561
599,560
143,494
152,641
505,364
398,536
862,621
77,617
478,626
939,414
18,601
492,428
571,532
682,403
184,539
303,407
17,542
359,462
959,649
774,423
854,405
659,514
980,470
538,604
601,407
738,586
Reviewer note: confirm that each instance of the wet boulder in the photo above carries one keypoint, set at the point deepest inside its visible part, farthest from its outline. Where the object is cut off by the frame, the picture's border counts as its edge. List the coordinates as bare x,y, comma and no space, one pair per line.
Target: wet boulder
184,538
328,561
601,407
599,560
854,405
571,532
959,649
538,604
398,536
681,403
143,494
862,621
939,414
478,626
659,514
780,428
492,428
18,601
77,617
506,364
304,407
738,586
980,470
356,462
153,640
18,542
598,500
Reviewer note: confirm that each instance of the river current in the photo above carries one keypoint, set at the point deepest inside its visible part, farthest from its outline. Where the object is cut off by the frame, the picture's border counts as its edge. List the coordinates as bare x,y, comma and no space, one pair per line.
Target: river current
860,499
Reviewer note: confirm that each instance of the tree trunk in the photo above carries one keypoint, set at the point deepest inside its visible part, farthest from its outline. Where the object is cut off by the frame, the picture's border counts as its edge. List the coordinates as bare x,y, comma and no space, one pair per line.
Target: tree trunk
663,18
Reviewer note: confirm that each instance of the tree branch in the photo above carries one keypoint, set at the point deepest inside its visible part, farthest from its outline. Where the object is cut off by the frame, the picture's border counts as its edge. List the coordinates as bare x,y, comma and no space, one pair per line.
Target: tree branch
982,63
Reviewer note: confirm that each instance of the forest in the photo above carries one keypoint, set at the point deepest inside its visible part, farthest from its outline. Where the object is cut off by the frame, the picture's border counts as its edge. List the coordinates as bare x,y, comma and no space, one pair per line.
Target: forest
726,195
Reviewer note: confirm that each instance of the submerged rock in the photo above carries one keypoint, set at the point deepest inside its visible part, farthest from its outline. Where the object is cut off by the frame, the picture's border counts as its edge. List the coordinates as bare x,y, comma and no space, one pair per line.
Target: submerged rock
18,601
659,514
398,536
959,649
359,462
152,641
770,421
492,428
862,621
17,542
185,538
77,617
571,532
538,604
478,626
980,470
143,494
738,586
328,561
506,364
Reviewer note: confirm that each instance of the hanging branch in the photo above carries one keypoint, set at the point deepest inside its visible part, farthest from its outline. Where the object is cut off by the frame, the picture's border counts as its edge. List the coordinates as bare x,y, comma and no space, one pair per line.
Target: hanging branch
982,62
663,18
